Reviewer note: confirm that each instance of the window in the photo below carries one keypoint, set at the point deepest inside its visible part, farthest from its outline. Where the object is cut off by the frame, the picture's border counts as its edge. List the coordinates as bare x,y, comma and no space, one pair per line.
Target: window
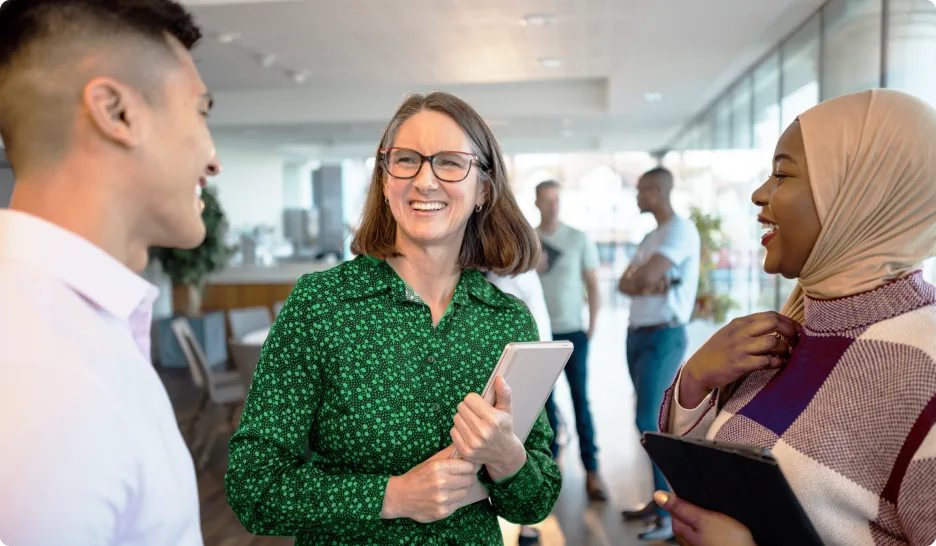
767,103
723,124
800,71
911,51
851,50
741,123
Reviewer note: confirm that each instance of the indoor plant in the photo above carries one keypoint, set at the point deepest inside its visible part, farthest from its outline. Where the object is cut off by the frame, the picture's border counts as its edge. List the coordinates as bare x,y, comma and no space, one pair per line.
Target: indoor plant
710,305
189,269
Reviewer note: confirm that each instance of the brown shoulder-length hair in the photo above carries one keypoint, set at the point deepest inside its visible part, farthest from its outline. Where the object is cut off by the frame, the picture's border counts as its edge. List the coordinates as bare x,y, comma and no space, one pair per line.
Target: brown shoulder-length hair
498,238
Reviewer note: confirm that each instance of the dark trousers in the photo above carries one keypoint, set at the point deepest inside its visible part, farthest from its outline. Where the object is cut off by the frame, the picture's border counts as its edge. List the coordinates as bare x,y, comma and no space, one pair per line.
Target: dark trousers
654,357
576,372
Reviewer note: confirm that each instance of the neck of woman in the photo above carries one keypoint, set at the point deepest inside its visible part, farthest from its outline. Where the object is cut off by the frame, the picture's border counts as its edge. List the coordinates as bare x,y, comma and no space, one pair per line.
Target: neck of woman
431,271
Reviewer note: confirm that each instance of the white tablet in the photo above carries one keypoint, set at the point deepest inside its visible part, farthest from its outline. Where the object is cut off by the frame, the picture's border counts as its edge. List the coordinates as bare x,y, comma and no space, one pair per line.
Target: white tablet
531,371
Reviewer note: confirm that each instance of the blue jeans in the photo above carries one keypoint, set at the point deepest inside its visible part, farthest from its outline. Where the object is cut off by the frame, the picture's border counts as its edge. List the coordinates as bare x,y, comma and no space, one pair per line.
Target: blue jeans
654,357
576,372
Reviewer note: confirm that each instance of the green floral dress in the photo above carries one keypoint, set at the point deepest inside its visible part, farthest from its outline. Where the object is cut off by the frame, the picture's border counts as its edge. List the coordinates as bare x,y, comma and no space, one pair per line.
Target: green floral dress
355,385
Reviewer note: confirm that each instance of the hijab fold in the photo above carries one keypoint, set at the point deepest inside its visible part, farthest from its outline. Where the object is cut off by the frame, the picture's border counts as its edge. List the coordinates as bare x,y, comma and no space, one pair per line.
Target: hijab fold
871,158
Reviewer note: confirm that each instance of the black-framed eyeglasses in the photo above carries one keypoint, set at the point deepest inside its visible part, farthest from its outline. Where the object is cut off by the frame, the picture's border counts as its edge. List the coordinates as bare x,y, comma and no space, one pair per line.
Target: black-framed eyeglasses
446,166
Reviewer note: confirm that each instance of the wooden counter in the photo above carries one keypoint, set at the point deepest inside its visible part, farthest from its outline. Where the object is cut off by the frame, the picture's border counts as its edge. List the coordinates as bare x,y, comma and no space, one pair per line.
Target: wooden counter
249,286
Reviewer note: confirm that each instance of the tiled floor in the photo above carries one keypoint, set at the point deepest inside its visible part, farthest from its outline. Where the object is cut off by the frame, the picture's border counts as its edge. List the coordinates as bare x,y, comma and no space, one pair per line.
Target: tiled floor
575,521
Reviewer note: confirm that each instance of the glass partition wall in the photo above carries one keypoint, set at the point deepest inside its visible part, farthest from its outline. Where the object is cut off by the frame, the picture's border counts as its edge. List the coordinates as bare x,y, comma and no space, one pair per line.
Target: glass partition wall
725,152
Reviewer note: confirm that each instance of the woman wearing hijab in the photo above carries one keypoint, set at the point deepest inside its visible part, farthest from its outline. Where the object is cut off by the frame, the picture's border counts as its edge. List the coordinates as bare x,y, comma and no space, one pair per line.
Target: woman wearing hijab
374,366
841,386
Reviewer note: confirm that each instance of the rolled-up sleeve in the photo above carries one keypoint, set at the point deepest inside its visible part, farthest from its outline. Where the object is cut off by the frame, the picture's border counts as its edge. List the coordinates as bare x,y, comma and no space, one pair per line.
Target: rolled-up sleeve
694,422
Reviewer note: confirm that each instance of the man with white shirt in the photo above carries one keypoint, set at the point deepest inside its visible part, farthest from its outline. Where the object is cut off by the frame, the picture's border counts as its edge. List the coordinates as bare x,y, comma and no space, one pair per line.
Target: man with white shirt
102,112
662,281
528,288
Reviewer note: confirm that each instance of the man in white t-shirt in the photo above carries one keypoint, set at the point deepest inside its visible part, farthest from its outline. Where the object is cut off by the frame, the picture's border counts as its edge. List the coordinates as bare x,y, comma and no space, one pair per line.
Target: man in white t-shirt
662,280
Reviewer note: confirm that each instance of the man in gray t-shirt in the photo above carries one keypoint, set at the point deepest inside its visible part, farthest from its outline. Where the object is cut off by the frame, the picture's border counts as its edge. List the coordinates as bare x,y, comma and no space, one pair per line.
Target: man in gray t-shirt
570,278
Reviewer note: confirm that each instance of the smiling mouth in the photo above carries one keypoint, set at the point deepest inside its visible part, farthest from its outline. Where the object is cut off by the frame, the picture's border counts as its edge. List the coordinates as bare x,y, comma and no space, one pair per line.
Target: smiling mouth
768,227
770,230
427,207
199,188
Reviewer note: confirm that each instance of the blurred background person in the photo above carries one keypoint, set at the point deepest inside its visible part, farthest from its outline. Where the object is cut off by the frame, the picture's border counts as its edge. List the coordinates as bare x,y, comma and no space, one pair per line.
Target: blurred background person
661,280
528,288
570,274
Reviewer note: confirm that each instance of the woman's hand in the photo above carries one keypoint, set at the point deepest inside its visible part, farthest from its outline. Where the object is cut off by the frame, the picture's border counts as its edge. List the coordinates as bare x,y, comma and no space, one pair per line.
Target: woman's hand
430,491
695,526
745,345
484,433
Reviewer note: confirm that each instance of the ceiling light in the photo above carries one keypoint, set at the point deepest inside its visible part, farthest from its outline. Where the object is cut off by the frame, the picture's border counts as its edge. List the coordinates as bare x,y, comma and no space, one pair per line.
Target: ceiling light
538,20
227,37
653,96
266,61
298,76
550,62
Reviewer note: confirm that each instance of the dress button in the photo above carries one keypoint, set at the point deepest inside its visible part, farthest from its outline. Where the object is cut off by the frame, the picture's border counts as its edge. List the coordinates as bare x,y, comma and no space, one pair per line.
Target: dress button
431,359
436,407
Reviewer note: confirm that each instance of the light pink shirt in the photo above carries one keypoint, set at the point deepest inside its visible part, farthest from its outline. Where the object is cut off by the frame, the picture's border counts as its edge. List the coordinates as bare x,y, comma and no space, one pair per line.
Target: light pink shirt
90,451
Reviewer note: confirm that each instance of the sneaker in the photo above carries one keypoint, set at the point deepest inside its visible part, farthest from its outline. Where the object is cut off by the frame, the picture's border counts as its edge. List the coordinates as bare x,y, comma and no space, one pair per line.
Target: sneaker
595,488
648,512
528,536
662,530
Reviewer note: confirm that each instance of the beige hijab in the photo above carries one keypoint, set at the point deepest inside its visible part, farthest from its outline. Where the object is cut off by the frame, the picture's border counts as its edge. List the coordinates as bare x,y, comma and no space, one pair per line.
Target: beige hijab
872,167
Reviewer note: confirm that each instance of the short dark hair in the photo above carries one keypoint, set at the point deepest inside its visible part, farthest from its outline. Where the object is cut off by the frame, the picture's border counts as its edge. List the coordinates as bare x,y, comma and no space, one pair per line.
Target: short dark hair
498,238
659,171
41,38
546,185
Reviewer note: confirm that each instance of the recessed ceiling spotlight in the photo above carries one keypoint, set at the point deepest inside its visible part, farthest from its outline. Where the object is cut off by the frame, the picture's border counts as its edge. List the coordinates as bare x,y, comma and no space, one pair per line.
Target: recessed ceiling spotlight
227,37
653,96
266,61
298,76
538,20
550,62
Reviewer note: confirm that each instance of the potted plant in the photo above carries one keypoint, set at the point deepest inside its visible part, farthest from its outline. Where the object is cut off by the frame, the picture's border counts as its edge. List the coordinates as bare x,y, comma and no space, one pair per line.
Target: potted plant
189,269
710,305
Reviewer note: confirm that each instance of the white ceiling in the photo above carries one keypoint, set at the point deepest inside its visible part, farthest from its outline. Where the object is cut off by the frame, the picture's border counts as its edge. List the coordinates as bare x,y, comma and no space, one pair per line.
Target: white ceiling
362,56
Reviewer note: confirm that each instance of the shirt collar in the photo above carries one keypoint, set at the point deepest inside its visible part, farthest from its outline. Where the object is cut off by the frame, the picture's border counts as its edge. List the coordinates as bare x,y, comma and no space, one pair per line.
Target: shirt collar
87,269
369,276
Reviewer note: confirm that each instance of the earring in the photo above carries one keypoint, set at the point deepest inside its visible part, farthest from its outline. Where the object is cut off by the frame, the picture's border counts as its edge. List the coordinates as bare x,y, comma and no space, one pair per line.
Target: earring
478,208
387,201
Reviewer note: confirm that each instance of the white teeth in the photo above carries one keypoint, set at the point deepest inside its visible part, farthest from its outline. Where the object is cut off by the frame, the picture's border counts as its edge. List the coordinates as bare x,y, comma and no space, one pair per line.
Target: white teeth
198,190
767,226
427,206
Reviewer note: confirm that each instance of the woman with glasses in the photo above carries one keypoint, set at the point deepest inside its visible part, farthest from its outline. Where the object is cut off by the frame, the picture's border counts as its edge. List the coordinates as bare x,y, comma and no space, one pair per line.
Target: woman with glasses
375,364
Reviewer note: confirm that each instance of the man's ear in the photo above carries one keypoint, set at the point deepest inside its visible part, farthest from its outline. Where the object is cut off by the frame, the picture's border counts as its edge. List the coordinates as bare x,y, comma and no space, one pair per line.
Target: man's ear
113,110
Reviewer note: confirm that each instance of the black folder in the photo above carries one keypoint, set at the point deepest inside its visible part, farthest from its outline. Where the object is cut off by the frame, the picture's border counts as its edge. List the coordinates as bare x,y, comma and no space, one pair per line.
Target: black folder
742,482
